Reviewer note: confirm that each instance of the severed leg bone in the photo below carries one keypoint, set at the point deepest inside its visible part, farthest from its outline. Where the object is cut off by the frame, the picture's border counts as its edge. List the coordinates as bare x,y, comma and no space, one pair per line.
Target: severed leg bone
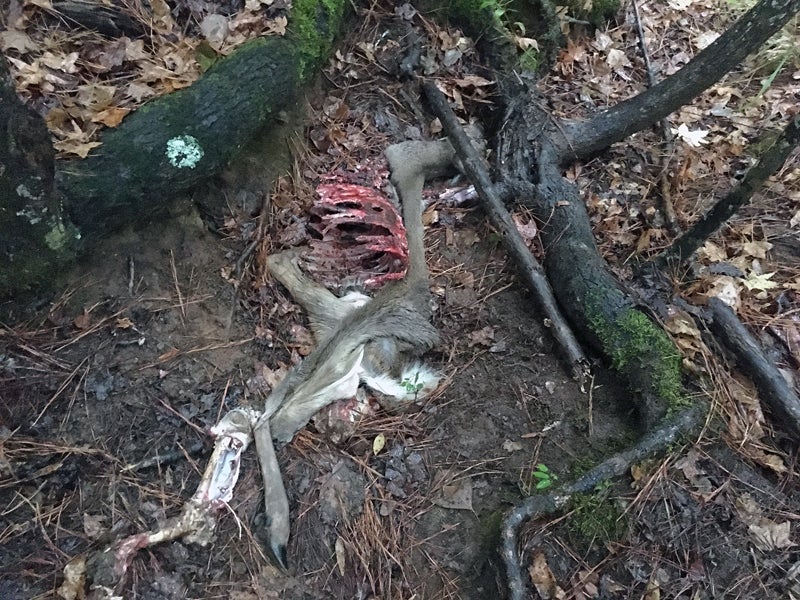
357,340
107,568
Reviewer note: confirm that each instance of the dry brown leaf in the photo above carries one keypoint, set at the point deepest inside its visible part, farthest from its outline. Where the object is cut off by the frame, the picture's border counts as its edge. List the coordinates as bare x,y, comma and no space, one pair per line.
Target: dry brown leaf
168,355
543,579
93,525
123,323
14,39
83,320
340,555
769,535
481,337
456,496
73,587
111,117
757,249
80,149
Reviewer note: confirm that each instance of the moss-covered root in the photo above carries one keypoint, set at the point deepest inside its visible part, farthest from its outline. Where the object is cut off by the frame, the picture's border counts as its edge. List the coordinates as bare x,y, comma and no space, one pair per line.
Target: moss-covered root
35,241
313,27
643,354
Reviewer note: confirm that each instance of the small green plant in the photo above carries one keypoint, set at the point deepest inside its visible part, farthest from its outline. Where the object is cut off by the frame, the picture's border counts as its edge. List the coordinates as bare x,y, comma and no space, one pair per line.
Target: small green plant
543,477
412,387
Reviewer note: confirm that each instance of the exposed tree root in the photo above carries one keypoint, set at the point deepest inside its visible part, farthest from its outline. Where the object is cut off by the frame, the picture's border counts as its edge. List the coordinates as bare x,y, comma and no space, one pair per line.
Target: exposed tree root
771,385
540,505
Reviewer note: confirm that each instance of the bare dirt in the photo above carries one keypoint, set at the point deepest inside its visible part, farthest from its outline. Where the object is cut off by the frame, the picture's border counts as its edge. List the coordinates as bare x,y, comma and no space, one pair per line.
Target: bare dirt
158,333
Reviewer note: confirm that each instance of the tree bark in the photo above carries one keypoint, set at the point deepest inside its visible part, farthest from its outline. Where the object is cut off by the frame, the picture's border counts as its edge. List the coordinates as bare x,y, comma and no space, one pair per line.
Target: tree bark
595,302
35,240
171,144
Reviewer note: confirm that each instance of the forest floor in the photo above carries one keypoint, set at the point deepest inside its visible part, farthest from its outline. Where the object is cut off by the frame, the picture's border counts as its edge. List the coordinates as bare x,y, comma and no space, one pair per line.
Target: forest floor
164,328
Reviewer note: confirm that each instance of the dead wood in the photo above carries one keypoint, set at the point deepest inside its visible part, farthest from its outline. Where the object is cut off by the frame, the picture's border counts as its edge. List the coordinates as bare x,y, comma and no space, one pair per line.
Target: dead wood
109,19
178,140
771,385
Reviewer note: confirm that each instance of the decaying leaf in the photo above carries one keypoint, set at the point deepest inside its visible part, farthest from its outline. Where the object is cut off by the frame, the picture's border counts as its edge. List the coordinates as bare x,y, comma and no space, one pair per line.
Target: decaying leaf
543,580
456,495
769,535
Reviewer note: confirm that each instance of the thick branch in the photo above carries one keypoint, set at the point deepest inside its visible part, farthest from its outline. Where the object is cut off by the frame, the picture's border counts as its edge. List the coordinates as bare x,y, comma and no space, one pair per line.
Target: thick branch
615,124
723,210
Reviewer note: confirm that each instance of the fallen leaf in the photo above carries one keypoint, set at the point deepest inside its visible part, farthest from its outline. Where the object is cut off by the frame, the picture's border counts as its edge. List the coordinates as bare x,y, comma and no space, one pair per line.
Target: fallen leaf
378,443
340,555
74,580
168,355
543,580
457,496
757,249
770,535
81,149
528,230
111,117
123,323
14,39
760,282
93,525
83,320
481,337
693,138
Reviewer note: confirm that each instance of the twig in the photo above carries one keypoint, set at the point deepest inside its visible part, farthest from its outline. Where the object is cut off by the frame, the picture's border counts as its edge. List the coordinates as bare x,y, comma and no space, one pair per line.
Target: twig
669,139
771,385
163,458
542,505
174,270
530,269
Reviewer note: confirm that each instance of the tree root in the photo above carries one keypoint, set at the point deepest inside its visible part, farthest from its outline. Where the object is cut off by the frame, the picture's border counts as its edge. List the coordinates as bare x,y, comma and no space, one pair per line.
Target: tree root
540,505
771,385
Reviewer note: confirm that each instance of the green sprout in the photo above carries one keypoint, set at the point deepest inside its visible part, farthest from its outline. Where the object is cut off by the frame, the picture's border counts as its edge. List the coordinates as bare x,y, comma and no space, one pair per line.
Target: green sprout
412,387
543,476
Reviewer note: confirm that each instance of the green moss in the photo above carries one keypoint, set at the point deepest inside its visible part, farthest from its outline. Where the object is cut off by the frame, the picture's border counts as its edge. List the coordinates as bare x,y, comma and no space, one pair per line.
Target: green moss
478,12
314,26
530,60
634,341
602,11
491,525
597,518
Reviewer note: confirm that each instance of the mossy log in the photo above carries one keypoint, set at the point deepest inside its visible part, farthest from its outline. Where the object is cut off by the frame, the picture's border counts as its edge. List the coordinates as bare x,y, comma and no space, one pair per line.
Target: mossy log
161,150
169,145
172,143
